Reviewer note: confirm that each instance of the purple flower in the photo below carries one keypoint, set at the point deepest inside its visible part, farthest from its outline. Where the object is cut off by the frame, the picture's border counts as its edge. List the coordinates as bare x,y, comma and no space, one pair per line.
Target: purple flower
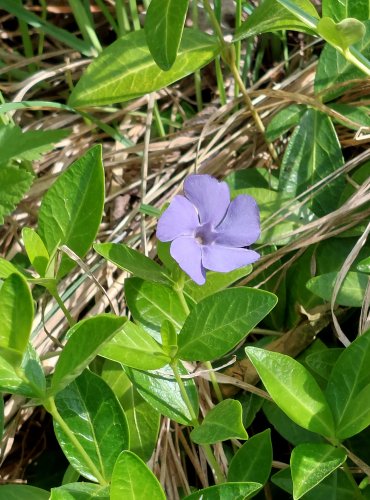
207,231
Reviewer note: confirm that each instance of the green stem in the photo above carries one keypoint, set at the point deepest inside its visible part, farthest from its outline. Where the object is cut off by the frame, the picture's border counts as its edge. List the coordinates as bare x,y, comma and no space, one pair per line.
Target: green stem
197,77
357,59
54,292
179,289
214,382
216,469
50,406
238,44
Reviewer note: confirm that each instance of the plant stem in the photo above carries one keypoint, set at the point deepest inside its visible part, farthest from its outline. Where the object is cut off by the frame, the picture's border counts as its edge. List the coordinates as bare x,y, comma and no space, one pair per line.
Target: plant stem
216,469
179,289
214,382
50,406
238,21
54,292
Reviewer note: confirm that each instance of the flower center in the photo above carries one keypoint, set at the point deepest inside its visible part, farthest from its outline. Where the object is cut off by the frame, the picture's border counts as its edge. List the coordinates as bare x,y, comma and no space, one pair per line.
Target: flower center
205,235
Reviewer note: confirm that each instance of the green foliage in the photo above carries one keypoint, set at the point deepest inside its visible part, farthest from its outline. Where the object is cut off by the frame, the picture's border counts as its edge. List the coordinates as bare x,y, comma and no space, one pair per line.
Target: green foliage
346,8
80,491
72,208
132,479
164,24
114,75
92,413
227,491
36,250
22,492
220,321
14,183
351,293
221,423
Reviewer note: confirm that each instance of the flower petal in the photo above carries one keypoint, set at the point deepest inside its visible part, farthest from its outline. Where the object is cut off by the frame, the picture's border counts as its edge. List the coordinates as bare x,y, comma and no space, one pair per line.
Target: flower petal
179,219
224,259
187,253
209,196
241,225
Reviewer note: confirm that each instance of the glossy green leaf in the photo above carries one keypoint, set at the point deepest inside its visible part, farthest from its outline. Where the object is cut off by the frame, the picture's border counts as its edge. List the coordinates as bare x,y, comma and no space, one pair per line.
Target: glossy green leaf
359,9
352,290
348,388
364,265
152,303
22,492
336,486
15,298
303,10
270,15
333,68
253,461
284,120
160,389
169,338
293,389
258,177
86,339
310,463
80,491
226,491
214,283
90,409
313,153
36,250
126,69
7,268
142,420
289,430
33,370
134,347
223,422
164,24
72,208
131,260
219,322
14,183
358,114
132,480
322,362
28,145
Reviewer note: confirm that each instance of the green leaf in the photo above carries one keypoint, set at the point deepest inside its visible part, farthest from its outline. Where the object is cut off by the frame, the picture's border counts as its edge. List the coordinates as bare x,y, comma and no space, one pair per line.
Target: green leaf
284,120
223,422
7,268
86,339
22,492
226,491
289,430
36,251
16,317
132,480
348,386
27,145
293,389
351,293
253,461
131,260
219,322
95,417
72,208
364,265
303,10
1,418
160,389
142,420
134,347
270,15
152,303
33,371
126,69
164,24
80,491
258,177
360,9
14,183
333,68
313,153
310,463
322,362
342,34
214,283
358,114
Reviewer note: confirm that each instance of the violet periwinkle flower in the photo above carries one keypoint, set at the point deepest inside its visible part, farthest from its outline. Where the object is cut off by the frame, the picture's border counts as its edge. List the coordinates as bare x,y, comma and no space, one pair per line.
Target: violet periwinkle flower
207,230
